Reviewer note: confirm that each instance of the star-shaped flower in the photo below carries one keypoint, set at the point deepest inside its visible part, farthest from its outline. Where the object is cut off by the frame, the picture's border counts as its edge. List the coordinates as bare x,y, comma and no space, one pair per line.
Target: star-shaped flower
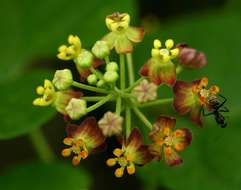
168,141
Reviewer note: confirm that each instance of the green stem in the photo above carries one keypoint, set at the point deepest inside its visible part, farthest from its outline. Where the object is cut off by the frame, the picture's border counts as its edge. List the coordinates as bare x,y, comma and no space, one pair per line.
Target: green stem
134,84
90,88
156,102
122,72
100,103
118,105
128,121
142,117
41,146
130,68
93,98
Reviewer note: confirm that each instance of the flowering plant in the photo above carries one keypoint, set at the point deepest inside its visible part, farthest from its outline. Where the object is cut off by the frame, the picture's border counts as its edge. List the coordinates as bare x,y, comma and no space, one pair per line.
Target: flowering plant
130,95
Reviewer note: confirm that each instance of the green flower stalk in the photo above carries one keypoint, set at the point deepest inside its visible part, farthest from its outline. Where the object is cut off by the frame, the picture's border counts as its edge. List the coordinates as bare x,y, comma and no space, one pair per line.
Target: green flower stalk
113,81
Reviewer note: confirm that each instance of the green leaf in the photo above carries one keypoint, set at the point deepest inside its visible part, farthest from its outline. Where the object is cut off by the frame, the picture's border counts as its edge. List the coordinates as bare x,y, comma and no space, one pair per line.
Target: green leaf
17,113
39,176
36,29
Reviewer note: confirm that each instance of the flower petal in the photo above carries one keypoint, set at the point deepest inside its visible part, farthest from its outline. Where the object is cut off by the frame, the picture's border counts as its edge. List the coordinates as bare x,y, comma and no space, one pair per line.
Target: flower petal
145,68
123,44
195,115
183,97
156,151
171,157
135,34
88,132
162,73
181,138
134,141
110,39
142,155
161,128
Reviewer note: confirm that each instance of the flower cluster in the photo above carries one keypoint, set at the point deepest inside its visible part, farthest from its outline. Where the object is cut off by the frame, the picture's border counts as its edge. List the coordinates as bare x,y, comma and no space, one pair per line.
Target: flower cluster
105,77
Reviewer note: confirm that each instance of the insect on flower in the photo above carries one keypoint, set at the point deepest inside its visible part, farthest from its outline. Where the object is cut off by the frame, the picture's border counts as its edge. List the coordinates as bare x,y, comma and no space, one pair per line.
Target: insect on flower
112,80
217,106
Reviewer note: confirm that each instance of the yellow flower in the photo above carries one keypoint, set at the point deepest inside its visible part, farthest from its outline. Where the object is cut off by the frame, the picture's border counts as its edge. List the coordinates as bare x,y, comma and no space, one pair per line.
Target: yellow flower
48,94
71,51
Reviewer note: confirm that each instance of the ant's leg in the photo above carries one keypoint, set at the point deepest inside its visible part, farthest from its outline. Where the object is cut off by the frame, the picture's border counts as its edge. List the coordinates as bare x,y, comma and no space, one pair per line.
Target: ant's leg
206,114
224,109
225,100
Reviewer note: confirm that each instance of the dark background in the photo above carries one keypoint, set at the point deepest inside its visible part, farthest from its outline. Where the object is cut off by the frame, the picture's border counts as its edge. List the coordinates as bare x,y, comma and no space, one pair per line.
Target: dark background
30,34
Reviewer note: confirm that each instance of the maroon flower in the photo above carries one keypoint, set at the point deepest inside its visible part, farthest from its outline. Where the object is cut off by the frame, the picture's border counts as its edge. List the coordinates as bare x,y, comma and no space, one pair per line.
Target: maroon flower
132,153
159,68
192,97
82,139
169,141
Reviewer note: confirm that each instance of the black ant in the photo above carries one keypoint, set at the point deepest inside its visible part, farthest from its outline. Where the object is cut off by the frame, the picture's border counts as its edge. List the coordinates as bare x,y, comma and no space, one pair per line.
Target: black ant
216,106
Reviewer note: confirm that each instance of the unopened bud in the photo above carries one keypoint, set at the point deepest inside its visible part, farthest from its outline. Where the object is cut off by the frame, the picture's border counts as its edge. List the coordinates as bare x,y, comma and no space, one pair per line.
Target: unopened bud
76,108
100,83
112,66
111,76
190,57
63,79
92,79
84,59
101,49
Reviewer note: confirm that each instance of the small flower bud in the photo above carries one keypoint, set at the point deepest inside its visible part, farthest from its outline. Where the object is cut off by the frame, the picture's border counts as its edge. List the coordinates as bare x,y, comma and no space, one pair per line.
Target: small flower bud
112,66
92,79
63,79
100,83
190,57
111,76
84,59
111,124
101,49
145,91
76,108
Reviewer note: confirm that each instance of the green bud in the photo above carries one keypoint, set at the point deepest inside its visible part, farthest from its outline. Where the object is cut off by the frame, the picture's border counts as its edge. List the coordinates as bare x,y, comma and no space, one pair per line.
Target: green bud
100,83
63,79
101,49
84,59
92,79
76,108
111,76
112,66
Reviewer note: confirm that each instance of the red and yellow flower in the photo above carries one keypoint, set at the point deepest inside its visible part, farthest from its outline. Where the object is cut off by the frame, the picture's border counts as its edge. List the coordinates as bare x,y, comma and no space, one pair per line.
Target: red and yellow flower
193,97
82,139
159,68
132,153
168,141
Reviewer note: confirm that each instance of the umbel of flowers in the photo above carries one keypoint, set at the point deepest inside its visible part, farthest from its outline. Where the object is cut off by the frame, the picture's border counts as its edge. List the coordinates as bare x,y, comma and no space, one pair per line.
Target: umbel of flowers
112,80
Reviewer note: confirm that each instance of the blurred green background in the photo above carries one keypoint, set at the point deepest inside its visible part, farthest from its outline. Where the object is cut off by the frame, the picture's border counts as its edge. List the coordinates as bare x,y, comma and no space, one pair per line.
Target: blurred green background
30,33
